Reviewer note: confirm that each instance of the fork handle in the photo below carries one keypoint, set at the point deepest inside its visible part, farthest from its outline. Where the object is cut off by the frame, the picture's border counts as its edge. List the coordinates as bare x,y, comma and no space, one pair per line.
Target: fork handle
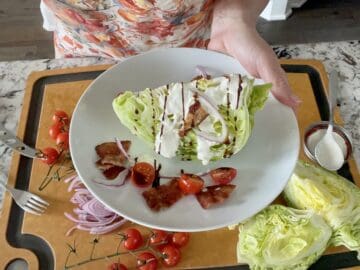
16,144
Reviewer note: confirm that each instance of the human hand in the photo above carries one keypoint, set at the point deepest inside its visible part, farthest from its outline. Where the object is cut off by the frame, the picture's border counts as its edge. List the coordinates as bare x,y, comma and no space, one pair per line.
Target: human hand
233,32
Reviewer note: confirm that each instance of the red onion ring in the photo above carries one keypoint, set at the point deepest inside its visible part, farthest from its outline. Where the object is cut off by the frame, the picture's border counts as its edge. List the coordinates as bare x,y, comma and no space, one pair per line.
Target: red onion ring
90,214
121,148
201,71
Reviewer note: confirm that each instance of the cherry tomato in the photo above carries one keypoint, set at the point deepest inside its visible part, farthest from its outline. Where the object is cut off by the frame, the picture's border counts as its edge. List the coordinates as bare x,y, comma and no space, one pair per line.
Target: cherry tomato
146,261
190,183
132,239
171,255
160,239
180,239
223,175
61,117
143,174
55,130
50,155
117,266
62,140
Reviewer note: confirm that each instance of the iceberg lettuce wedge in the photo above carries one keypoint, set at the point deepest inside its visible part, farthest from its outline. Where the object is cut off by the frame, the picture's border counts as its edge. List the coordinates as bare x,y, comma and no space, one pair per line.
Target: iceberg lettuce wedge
282,238
157,115
331,196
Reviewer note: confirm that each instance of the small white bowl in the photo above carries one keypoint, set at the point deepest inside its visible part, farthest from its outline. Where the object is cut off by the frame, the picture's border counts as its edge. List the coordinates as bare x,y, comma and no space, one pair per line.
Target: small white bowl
323,125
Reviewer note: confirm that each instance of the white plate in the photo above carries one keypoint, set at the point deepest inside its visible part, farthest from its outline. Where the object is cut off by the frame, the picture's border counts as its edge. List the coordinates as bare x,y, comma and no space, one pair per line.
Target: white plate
264,165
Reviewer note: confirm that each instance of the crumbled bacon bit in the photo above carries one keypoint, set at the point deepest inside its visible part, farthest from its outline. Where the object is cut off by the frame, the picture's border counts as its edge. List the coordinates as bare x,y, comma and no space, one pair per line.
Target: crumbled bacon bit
194,117
112,160
110,148
163,196
113,172
212,195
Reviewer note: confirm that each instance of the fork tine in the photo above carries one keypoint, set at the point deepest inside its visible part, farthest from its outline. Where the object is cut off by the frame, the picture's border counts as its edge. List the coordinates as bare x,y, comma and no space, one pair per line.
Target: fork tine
27,209
34,207
35,197
35,202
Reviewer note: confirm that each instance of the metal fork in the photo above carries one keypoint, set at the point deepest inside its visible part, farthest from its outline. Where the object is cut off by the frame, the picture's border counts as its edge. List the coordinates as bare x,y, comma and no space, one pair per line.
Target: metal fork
27,201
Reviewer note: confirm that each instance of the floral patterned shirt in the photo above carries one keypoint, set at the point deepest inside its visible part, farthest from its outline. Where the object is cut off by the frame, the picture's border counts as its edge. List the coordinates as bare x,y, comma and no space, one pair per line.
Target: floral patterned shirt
121,28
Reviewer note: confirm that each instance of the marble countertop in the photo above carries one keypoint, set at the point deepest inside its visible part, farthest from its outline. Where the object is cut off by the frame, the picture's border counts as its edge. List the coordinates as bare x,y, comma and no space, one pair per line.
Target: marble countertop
341,56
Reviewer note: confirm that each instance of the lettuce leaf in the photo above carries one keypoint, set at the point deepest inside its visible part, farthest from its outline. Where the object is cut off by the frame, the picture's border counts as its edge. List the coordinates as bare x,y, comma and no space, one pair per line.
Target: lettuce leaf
331,196
282,238
140,112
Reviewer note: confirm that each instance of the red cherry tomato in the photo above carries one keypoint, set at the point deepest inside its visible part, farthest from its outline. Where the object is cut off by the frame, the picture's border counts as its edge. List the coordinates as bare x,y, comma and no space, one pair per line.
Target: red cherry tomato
62,140
50,155
223,175
55,130
171,255
117,266
180,239
61,117
146,261
143,174
190,183
159,237
132,239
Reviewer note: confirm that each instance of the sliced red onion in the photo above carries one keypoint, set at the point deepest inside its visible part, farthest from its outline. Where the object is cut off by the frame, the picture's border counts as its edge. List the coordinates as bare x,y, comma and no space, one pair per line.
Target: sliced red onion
107,229
216,114
201,71
119,181
90,215
121,148
69,179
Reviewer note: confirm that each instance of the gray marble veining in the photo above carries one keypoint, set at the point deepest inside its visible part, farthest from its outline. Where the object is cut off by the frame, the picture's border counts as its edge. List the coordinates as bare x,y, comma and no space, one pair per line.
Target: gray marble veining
342,56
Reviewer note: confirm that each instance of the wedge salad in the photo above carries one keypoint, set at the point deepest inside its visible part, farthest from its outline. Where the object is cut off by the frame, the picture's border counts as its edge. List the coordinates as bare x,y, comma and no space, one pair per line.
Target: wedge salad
205,119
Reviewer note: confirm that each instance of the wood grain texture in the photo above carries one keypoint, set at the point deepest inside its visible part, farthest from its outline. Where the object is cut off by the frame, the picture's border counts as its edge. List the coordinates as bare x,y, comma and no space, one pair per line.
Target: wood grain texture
215,251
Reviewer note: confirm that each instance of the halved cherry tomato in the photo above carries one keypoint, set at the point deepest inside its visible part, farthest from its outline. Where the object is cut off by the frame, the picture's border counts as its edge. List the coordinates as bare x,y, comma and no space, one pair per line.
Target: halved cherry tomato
146,261
180,239
62,140
171,255
61,117
223,175
55,130
190,183
132,239
117,266
143,174
50,155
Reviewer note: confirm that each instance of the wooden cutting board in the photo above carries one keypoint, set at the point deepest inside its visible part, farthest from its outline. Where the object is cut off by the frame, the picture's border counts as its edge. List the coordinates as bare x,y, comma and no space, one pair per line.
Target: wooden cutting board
23,235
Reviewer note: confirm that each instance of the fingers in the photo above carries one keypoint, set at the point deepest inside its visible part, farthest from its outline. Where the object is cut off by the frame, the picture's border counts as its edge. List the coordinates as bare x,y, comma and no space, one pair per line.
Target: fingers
281,89
269,69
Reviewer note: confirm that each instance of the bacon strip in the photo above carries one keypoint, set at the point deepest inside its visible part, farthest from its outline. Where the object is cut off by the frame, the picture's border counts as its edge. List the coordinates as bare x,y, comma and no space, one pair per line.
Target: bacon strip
214,195
163,196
